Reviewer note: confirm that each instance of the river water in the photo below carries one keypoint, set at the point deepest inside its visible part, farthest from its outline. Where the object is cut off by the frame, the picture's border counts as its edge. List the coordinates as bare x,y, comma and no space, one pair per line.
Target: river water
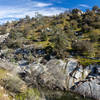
51,95
69,96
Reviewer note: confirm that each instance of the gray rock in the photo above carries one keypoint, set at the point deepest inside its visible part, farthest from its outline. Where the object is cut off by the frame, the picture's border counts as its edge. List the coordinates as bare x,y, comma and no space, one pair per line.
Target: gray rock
56,74
98,69
60,75
89,89
71,65
3,37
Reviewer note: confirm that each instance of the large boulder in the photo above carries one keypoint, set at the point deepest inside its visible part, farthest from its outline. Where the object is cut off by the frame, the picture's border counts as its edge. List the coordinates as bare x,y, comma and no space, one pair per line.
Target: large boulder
90,87
55,74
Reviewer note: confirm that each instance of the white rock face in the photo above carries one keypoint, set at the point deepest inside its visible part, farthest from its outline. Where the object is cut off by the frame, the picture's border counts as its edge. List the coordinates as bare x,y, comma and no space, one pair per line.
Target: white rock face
3,37
71,65
78,75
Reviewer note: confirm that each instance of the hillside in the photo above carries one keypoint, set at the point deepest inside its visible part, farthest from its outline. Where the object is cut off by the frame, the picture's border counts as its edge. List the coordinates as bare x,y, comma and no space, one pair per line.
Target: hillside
58,53
72,33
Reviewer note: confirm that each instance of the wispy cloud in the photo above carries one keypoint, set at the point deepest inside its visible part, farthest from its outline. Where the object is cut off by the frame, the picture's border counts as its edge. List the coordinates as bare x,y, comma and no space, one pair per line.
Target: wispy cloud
28,8
84,5
22,12
40,4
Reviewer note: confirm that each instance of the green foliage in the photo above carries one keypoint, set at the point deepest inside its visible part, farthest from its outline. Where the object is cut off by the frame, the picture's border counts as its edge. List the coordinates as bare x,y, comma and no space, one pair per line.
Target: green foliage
28,95
82,47
86,28
60,43
57,32
74,24
14,44
95,8
85,61
94,36
44,36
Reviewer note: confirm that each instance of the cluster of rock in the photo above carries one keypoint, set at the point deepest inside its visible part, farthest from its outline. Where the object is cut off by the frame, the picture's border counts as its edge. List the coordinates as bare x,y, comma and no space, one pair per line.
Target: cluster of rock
55,74
61,75
12,87
64,76
90,87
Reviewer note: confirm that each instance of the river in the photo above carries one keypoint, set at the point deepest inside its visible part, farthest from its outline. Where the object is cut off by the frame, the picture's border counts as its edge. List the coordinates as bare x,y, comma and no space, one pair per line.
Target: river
54,95
69,96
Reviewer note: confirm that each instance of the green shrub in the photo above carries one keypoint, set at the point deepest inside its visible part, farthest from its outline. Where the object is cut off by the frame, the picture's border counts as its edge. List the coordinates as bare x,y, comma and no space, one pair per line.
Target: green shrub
82,47
85,61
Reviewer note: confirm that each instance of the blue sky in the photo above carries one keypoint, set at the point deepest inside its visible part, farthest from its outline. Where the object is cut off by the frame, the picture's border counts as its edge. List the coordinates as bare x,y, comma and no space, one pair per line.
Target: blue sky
15,9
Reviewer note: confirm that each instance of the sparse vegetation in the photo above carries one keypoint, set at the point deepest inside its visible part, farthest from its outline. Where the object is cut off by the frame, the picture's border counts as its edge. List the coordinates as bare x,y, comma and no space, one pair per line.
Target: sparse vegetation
73,33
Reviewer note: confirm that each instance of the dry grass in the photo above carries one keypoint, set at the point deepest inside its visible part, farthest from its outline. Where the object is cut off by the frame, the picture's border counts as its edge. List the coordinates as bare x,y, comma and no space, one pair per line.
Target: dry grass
4,95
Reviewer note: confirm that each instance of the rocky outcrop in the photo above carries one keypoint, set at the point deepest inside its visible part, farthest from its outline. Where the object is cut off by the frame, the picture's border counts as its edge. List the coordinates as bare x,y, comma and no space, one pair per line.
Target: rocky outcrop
90,87
3,37
75,73
64,76
12,87
55,74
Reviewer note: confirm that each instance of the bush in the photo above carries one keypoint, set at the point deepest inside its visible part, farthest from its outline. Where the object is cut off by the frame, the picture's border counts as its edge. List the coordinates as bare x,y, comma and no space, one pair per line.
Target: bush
94,35
60,45
74,24
13,84
14,44
82,47
30,94
86,28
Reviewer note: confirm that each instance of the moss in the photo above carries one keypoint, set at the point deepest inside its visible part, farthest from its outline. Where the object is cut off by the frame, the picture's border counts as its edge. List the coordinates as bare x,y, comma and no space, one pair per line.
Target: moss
58,62
28,95
43,44
86,61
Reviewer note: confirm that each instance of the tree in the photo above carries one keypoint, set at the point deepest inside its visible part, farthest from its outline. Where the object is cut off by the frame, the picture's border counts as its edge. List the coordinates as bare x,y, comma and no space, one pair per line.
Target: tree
95,8
43,35
74,24
75,11
94,36
27,17
86,28
76,14
96,25
60,43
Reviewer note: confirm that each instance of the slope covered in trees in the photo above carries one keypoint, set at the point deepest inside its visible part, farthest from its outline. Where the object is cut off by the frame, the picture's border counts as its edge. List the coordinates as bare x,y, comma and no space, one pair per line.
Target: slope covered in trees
72,33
